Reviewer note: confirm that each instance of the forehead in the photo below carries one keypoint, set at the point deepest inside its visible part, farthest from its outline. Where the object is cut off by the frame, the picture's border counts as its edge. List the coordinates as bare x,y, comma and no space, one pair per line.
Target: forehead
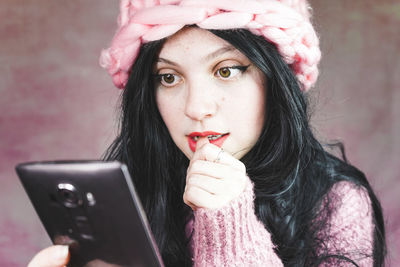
195,43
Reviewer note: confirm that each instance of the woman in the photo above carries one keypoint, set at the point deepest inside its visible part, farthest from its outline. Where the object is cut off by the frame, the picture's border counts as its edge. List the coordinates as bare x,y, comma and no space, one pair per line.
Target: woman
215,111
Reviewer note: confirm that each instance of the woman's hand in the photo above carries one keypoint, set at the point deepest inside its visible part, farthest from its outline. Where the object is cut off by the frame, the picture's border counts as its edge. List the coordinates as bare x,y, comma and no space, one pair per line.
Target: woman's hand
214,177
54,256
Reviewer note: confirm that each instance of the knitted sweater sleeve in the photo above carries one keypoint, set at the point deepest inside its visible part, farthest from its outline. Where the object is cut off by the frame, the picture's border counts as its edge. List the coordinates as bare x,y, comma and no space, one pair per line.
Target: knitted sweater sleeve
233,235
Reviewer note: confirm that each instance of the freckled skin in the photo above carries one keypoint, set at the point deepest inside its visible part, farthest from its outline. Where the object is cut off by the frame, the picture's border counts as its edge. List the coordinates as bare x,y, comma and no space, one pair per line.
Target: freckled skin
203,101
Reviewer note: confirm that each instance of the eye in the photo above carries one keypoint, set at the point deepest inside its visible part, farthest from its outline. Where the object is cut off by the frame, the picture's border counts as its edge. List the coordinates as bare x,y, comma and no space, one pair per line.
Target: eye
168,79
224,72
230,72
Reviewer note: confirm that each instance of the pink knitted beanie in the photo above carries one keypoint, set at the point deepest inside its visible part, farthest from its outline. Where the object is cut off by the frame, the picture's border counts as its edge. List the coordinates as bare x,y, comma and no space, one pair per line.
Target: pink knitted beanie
286,23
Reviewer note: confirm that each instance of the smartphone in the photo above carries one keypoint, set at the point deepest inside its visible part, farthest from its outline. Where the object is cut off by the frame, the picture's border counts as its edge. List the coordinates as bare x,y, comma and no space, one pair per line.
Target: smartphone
93,207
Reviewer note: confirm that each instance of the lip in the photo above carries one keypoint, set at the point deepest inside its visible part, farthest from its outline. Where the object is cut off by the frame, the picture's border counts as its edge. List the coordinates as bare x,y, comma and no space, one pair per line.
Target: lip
218,142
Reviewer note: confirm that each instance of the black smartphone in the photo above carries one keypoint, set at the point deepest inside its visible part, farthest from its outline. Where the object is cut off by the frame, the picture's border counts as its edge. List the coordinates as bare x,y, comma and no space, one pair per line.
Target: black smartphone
91,206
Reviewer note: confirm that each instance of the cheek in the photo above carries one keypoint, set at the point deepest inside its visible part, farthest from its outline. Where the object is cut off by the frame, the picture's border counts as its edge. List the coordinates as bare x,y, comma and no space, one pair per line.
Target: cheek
258,101
251,102
163,107
259,111
169,111
251,111
252,116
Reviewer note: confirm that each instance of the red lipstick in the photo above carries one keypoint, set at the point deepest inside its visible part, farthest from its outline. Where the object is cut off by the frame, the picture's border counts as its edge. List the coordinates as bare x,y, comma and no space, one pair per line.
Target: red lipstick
215,138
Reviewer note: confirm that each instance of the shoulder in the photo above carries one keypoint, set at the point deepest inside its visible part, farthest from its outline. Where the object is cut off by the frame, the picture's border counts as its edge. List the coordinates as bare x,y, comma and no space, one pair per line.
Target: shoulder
349,200
348,232
350,224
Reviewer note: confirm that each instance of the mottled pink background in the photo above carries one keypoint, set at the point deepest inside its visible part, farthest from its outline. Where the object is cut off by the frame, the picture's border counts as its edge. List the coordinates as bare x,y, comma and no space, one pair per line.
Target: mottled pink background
56,103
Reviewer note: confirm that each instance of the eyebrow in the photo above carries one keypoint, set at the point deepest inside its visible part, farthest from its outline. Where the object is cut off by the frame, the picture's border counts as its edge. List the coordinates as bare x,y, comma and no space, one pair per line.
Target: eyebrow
160,59
218,52
221,51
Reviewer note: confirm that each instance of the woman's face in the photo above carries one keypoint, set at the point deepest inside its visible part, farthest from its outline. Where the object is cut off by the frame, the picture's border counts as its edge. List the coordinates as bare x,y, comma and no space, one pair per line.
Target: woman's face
206,87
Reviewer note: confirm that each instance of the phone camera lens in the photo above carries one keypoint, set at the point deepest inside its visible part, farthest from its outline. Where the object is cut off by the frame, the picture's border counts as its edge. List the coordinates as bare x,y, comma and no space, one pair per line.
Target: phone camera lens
68,195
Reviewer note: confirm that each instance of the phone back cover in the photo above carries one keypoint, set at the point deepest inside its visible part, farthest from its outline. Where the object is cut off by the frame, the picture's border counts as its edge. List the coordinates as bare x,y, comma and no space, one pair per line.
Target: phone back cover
109,224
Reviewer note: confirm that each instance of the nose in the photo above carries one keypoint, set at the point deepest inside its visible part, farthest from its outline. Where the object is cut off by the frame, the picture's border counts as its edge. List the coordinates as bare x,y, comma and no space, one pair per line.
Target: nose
201,101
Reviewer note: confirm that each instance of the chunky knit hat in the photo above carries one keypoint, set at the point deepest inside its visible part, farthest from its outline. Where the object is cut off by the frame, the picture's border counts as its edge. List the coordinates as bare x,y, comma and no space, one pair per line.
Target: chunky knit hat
286,23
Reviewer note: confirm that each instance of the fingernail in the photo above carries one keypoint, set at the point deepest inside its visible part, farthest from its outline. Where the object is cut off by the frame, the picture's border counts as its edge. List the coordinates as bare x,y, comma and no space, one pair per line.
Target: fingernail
201,141
61,253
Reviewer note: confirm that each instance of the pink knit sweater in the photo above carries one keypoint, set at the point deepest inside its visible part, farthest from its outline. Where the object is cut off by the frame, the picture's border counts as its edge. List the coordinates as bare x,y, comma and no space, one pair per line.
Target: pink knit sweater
233,236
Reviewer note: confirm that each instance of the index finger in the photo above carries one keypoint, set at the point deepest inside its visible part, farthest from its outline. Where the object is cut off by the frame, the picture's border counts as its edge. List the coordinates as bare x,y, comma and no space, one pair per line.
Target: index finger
212,153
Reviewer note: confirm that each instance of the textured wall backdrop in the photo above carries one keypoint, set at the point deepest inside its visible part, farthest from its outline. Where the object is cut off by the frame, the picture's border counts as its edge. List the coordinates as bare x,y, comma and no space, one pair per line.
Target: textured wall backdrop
56,103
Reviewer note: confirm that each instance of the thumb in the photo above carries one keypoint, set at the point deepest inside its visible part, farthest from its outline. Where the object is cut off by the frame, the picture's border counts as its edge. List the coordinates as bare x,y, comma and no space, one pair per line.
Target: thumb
54,256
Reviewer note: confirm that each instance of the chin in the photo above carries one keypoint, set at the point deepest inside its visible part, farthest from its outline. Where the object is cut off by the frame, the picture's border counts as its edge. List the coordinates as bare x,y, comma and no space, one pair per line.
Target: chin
188,154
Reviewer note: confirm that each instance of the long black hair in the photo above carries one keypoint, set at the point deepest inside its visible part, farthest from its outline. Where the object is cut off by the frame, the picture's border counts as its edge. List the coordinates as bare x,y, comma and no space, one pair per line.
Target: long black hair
285,165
